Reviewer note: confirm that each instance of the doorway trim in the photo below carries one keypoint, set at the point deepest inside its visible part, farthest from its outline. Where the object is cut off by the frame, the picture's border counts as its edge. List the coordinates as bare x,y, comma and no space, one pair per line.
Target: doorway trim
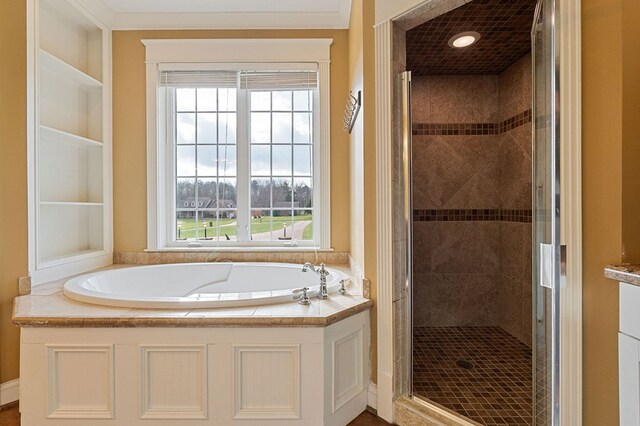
390,301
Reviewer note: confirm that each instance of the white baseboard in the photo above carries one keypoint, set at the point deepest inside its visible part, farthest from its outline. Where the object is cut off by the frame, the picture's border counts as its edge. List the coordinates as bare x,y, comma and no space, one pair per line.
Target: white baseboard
9,391
372,396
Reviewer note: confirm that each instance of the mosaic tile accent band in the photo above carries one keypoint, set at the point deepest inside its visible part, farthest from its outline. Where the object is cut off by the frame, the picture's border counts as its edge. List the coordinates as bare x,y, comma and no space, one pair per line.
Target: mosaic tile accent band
470,129
472,215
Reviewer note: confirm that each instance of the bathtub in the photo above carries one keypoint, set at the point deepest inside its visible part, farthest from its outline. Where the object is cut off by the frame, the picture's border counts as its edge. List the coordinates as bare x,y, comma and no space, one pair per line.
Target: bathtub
89,365
197,285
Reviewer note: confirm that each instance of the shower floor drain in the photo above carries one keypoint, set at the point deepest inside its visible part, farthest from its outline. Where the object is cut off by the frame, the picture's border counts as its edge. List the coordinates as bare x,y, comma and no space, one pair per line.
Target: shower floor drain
463,363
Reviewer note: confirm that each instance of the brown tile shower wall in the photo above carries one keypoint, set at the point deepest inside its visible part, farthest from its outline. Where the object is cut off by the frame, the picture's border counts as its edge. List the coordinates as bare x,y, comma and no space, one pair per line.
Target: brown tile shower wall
515,193
472,200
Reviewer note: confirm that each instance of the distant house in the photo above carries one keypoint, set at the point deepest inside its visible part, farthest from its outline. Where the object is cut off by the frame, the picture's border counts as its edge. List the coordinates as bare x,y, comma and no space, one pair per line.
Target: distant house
205,203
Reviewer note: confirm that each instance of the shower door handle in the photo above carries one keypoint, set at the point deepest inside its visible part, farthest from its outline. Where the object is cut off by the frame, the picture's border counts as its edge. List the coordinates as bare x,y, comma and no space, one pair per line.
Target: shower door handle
546,265
563,265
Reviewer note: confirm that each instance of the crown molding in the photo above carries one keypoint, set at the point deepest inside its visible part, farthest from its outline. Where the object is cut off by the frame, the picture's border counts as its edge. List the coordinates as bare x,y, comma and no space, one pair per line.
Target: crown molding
206,20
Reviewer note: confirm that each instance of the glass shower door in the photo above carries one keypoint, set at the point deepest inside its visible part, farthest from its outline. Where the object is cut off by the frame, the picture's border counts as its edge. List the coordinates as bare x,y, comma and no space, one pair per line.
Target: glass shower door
405,79
547,251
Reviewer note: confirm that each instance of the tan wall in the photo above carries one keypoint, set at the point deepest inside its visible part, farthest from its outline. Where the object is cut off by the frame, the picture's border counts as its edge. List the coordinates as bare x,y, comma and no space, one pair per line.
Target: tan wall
363,146
630,130
13,176
602,201
129,129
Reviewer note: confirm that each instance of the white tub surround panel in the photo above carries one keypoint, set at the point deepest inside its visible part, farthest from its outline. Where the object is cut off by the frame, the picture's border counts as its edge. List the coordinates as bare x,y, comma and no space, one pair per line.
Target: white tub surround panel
208,376
187,399
79,376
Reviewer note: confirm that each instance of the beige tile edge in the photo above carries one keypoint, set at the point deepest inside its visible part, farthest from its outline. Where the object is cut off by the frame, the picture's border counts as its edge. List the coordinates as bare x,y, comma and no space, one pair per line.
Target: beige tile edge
410,412
240,321
279,256
24,286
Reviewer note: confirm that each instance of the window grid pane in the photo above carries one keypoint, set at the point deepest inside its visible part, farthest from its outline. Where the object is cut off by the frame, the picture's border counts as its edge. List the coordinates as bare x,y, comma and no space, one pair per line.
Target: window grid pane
205,164
281,165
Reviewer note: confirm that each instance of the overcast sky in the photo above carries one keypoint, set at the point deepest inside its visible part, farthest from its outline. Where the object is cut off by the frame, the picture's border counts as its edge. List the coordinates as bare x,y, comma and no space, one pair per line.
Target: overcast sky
279,125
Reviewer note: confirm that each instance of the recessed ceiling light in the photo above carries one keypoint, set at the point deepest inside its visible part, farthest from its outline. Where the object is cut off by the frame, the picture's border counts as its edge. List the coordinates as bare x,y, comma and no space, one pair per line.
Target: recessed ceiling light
464,39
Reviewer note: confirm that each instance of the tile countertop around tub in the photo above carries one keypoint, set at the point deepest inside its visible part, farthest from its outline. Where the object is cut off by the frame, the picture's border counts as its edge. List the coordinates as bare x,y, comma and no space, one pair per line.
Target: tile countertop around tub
625,272
46,306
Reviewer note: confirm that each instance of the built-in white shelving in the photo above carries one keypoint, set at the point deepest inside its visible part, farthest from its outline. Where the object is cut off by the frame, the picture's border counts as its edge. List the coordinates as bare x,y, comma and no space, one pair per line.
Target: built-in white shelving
59,136
57,66
69,203
70,150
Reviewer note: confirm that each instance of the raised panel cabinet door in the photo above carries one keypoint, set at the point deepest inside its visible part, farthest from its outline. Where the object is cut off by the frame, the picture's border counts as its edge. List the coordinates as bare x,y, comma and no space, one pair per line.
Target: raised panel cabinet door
629,376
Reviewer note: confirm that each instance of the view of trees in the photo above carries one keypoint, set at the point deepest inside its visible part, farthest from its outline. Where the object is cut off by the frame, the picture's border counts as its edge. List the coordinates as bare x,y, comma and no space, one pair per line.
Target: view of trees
262,190
284,196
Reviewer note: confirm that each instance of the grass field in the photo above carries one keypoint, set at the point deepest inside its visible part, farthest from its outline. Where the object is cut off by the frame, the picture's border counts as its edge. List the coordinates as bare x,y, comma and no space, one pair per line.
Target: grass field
229,226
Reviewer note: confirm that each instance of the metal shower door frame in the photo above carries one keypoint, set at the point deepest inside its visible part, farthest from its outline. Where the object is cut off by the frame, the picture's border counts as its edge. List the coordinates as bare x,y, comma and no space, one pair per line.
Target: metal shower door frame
549,267
408,218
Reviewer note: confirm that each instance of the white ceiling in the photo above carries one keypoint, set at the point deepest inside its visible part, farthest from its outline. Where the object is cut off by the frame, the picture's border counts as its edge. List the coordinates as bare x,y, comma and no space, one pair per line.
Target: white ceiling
221,14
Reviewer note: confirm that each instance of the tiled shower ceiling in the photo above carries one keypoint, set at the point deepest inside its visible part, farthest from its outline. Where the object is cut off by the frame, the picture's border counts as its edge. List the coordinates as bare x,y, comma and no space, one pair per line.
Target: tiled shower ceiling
504,27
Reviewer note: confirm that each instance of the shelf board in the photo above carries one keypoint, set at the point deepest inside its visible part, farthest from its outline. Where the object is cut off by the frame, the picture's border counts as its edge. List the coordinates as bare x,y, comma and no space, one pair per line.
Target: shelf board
70,203
69,257
61,136
64,70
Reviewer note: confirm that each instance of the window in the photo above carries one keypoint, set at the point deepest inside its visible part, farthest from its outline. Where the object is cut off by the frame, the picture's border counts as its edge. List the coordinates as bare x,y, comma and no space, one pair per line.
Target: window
242,157
281,140
202,116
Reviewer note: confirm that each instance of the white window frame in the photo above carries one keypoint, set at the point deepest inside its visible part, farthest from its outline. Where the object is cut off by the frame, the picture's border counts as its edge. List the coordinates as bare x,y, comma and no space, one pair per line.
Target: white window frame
232,54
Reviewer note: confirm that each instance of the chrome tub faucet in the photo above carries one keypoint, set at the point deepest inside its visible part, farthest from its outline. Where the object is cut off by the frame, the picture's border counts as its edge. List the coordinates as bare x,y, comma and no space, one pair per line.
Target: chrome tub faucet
322,272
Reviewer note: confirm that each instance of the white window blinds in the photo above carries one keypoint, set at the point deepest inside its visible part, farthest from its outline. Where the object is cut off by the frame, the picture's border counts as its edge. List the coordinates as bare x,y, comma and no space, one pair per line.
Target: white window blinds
248,80
278,80
220,79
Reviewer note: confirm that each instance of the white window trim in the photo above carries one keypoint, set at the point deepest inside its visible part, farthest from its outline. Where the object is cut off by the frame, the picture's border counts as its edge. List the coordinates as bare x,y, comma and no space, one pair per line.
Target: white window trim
230,51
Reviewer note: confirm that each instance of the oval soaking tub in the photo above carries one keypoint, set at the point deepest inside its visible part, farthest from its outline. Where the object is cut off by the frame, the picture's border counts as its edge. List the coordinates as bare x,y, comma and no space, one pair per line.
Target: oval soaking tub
197,285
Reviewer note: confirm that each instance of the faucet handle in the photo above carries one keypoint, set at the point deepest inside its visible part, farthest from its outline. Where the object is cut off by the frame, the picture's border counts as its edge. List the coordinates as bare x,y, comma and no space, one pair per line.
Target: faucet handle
343,289
322,270
303,299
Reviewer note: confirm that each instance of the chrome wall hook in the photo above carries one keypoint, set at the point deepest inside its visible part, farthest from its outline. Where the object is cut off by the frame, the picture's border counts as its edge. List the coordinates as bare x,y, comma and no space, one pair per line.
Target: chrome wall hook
352,108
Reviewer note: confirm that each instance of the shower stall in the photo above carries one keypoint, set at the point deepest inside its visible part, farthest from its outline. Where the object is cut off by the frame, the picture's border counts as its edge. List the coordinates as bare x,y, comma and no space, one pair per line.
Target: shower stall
481,211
